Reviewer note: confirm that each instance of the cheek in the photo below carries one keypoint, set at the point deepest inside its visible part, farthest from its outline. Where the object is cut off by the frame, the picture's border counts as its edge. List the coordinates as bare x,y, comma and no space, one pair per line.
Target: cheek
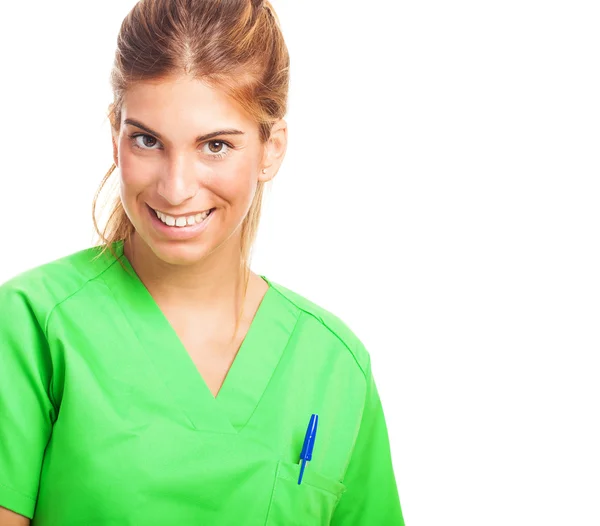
135,173
237,183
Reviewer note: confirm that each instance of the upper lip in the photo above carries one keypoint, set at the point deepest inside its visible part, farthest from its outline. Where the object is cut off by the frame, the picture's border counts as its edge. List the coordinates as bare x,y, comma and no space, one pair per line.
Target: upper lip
188,214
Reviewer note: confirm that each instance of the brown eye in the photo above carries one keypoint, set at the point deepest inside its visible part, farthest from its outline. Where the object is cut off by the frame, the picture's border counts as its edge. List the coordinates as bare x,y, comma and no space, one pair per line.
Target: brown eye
144,142
215,146
216,150
148,141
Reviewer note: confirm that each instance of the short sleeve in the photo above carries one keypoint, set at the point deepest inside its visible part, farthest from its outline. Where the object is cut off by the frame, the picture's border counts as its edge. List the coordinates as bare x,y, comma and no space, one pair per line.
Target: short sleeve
26,412
371,495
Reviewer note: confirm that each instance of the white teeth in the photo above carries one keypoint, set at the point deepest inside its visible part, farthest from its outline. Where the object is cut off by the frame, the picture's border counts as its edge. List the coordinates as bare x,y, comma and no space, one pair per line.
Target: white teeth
181,221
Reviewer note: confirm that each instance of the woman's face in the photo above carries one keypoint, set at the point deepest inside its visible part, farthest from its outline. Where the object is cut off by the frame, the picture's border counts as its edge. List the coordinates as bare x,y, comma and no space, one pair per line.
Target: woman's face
190,159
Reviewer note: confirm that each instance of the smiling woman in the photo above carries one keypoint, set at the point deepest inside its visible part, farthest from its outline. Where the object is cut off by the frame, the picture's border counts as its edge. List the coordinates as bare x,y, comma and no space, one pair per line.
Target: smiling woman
177,183
155,379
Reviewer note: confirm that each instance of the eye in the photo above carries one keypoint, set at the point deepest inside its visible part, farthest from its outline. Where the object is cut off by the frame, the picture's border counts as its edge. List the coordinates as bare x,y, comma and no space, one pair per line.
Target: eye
215,146
217,149
146,143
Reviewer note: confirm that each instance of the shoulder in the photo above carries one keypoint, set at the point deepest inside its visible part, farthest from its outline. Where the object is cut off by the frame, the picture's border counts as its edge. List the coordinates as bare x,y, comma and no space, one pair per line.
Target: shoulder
327,323
43,287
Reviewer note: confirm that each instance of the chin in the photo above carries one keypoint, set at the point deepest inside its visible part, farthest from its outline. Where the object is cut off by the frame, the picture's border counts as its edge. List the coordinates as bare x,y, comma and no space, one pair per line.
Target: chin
180,253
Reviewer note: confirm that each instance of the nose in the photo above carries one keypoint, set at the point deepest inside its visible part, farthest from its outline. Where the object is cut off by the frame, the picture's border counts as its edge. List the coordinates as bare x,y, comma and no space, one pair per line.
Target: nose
179,180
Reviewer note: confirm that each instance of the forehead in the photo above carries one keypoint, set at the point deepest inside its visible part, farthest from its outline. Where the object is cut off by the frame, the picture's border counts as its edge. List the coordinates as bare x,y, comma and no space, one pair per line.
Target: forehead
183,102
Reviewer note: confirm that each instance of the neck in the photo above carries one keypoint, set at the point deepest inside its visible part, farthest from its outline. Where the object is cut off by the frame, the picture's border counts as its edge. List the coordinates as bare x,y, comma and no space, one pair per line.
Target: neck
213,285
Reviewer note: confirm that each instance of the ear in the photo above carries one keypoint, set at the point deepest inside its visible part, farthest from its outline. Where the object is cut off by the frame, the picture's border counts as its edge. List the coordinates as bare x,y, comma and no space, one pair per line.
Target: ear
275,149
115,139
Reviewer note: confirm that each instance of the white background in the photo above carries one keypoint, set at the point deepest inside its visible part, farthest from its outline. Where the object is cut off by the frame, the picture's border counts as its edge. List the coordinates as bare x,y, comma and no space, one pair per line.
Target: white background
440,195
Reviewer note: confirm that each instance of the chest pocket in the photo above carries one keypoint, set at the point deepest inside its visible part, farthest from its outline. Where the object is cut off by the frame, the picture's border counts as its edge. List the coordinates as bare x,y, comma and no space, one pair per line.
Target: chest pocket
310,503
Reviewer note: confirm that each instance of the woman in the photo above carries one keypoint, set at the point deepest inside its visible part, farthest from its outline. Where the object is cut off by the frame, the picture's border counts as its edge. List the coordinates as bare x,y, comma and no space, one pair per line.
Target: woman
156,380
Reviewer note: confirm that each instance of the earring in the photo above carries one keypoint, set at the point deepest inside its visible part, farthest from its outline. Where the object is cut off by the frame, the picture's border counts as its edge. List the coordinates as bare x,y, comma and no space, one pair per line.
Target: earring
264,170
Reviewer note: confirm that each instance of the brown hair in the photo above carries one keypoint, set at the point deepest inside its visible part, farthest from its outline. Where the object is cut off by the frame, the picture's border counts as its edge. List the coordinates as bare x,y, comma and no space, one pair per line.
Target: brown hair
233,45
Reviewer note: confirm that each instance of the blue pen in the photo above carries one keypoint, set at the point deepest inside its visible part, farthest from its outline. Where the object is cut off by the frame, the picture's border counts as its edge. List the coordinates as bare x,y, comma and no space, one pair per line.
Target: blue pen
309,443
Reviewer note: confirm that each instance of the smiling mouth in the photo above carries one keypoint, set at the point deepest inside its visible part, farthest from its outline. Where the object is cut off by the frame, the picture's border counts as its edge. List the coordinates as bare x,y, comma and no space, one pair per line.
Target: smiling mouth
183,221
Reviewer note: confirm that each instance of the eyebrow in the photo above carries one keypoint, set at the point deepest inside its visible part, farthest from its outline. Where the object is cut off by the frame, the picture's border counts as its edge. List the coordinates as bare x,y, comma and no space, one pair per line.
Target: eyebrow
201,138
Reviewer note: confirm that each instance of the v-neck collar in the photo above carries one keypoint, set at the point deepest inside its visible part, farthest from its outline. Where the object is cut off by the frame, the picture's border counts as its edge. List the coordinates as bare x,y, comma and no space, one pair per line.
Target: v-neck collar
249,374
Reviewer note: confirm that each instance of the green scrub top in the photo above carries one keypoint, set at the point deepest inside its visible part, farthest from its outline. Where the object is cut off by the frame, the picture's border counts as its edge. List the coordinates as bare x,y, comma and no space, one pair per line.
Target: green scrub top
105,419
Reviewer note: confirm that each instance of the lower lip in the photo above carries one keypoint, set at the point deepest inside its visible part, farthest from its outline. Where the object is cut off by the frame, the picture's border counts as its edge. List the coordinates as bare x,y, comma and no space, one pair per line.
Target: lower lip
179,232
